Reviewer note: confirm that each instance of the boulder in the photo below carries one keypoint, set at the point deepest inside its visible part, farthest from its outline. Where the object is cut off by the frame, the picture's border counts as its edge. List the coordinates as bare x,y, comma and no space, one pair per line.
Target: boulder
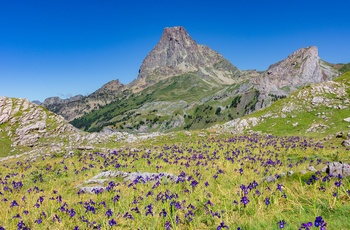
311,168
338,168
346,143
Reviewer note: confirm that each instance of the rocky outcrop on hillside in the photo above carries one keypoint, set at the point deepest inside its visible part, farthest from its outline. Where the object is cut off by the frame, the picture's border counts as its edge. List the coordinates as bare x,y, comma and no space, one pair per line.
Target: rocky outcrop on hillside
25,123
177,53
301,68
30,129
77,106
327,101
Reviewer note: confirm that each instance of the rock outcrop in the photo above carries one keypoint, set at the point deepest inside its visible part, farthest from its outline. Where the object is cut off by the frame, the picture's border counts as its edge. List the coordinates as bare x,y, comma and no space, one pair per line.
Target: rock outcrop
177,53
301,68
25,123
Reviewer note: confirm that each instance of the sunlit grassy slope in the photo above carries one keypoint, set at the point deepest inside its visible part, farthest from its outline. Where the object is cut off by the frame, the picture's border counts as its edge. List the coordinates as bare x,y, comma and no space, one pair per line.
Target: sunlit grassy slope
296,114
182,102
220,185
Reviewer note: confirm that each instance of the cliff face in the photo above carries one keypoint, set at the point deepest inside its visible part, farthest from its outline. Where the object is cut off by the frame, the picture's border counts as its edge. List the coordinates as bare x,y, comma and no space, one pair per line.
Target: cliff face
302,67
177,53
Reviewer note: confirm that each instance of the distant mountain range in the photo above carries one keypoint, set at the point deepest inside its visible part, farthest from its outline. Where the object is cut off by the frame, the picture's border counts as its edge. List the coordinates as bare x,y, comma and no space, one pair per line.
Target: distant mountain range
183,85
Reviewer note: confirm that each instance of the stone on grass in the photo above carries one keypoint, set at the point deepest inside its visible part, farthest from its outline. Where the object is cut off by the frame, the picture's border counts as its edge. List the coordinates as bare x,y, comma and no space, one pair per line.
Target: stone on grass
270,179
346,143
311,168
338,168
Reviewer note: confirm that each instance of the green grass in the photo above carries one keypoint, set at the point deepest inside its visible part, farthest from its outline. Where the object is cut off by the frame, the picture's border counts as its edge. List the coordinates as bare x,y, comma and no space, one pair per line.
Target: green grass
345,68
304,117
126,114
5,145
213,161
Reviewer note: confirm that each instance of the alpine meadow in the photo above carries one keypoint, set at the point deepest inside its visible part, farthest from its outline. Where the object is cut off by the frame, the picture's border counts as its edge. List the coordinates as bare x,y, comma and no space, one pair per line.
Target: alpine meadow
192,143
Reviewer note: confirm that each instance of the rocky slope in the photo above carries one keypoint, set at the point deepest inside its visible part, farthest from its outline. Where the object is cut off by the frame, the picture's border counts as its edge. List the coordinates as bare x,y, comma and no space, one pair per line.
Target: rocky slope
27,127
77,106
183,85
30,129
303,67
318,110
177,53
200,103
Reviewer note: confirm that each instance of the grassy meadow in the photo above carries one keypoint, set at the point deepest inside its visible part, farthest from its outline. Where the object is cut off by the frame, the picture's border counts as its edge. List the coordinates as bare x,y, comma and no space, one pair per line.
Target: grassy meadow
220,185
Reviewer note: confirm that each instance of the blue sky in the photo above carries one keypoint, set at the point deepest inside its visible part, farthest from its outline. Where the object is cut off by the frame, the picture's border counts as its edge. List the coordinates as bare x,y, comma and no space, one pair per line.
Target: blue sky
63,48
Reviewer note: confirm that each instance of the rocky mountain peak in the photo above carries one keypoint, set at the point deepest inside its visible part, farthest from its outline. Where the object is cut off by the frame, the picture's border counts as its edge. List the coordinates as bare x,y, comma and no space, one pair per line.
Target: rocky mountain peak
177,53
176,36
110,88
300,68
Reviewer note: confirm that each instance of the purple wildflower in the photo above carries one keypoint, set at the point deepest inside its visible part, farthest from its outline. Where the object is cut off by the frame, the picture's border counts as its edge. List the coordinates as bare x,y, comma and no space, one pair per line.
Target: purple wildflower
149,210
244,200
167,225
109,213
306,226
163,213
13,204
128,215
38,221
319,222
338,183
112,222
281,223
222,225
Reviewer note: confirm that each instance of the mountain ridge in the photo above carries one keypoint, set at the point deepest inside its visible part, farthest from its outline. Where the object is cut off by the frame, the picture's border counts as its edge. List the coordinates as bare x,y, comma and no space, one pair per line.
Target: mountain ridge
217,84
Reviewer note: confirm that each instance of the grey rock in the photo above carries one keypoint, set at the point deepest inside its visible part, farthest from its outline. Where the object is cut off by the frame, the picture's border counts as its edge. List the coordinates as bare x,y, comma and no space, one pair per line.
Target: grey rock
303,172
283,78
282,174
135,177
270,179
311,168
85,148
317,100
339,134
290,173
338,168
347,119
177,53
346,143
92,189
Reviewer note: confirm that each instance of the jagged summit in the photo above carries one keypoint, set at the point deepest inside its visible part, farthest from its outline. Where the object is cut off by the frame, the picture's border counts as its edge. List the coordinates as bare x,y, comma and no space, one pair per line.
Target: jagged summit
177,53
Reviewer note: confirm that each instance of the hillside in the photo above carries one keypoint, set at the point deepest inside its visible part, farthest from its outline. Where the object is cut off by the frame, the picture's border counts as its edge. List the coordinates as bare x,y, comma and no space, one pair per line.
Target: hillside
185,101
183,85
79,105
26,128
317,110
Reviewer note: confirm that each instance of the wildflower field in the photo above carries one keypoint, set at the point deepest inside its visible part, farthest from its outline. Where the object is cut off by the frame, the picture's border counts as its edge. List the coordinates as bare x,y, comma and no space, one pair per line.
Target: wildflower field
220,184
